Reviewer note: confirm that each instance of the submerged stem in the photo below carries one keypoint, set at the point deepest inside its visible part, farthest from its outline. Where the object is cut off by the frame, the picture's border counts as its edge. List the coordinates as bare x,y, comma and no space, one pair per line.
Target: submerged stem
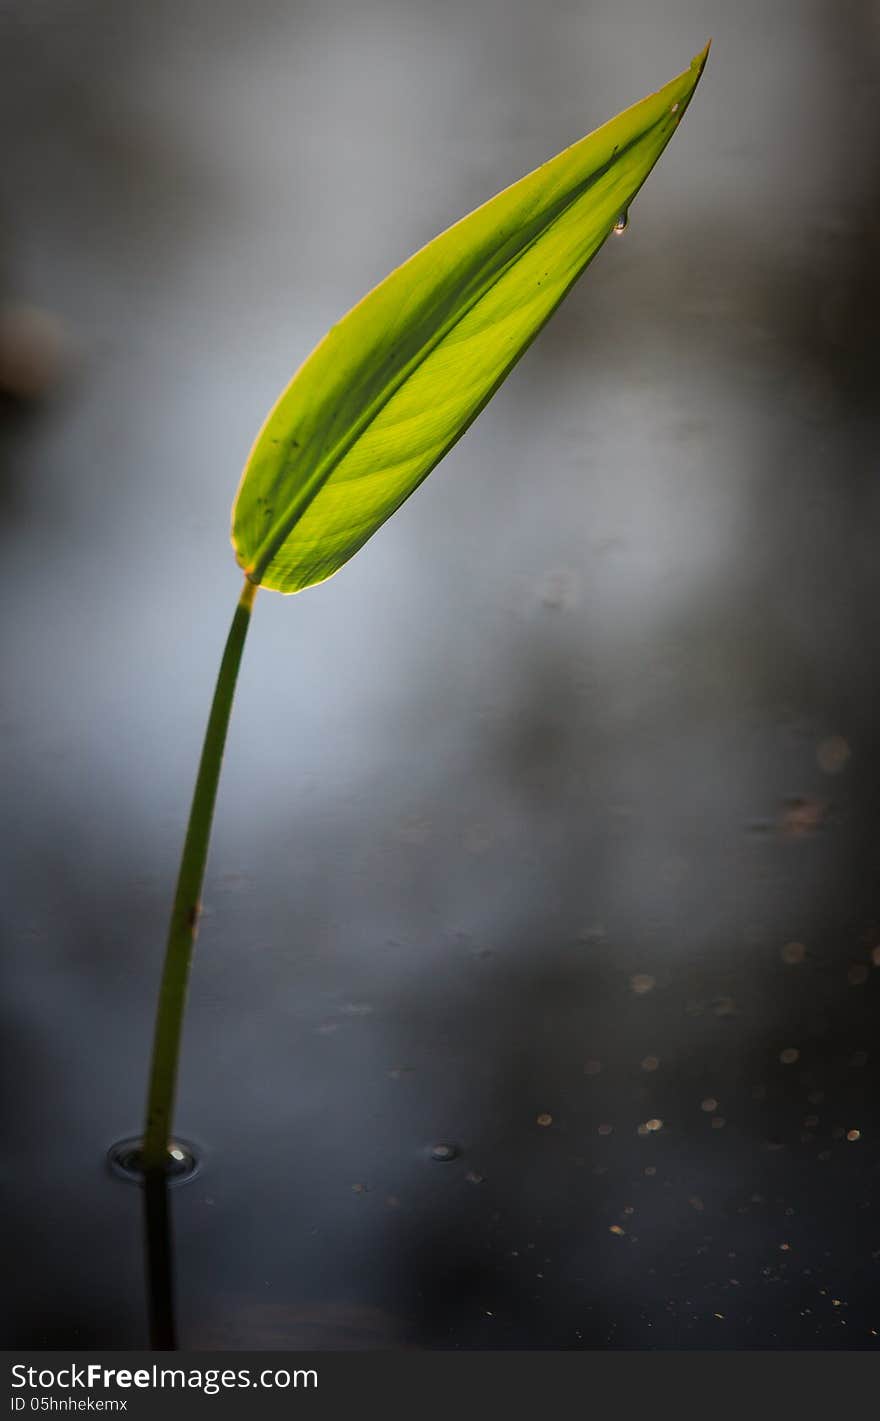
160,1265
187,905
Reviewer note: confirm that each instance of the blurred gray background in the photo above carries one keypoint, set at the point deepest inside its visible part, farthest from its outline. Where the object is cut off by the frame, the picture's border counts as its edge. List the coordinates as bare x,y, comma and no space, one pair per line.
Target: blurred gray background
561,800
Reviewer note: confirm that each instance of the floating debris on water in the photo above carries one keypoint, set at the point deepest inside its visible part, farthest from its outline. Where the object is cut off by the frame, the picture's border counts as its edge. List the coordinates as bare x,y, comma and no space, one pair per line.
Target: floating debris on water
832,754
789,1055
724,1006
793,954
642,983
595,934
443,1153
801,817
544,1119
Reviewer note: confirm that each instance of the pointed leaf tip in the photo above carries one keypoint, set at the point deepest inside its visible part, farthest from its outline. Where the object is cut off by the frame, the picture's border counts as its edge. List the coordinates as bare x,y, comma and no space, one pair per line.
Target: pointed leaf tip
397,381
699,60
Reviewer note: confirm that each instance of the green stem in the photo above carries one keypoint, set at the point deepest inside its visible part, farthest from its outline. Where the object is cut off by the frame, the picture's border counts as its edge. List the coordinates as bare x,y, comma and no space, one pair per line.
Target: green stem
187,905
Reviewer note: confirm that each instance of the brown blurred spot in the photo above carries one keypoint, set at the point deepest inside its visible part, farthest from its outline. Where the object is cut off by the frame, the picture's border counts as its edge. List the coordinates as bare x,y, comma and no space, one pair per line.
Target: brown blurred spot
32,352
793,953
801,817
832,754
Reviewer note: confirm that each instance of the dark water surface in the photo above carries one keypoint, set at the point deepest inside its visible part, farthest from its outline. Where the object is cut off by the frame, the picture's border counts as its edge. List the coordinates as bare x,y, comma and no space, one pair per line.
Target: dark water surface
548,830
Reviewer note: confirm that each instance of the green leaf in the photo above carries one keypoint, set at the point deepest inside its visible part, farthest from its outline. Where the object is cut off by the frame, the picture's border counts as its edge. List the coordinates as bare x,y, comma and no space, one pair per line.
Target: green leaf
399,379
